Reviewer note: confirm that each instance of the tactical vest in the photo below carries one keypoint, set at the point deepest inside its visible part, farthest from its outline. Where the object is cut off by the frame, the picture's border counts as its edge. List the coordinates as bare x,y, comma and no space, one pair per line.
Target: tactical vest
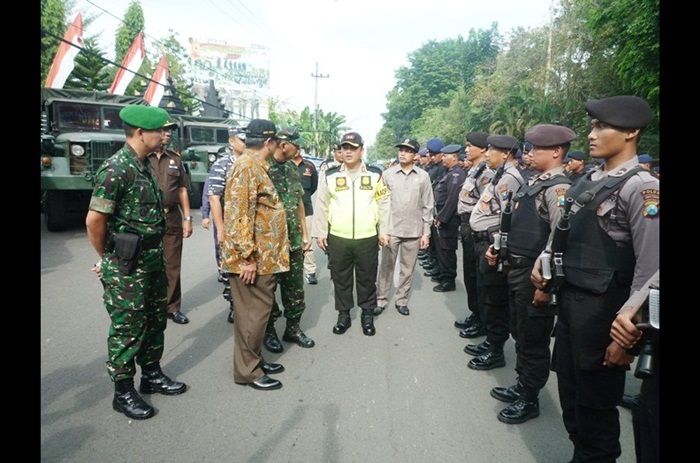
592,259
353,212
528,231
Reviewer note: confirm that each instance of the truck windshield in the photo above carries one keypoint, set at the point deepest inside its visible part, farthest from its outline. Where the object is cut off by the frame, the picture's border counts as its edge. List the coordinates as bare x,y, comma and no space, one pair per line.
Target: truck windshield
88,117
208,135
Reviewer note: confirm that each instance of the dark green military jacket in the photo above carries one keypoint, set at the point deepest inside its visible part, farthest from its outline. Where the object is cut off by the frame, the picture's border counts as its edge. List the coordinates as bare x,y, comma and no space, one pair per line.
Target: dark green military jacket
126,188
285,177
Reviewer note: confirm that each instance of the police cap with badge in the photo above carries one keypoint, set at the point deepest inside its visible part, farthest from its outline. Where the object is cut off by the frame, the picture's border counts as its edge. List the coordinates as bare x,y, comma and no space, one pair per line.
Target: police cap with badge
353,139
144,117
410,144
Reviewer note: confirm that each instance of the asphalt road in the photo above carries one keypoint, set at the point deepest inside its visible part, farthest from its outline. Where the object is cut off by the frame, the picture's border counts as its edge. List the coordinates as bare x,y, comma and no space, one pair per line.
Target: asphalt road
404,395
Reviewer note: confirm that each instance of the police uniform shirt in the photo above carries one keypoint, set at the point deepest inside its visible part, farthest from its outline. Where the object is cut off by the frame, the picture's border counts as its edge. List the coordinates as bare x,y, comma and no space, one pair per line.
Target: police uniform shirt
638,297
632,214
472,189
411,201
550,202
487,212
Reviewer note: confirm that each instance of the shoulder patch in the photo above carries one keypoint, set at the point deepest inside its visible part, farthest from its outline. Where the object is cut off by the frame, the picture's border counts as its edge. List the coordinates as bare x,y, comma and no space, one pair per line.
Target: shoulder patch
332,170
650,197
561,196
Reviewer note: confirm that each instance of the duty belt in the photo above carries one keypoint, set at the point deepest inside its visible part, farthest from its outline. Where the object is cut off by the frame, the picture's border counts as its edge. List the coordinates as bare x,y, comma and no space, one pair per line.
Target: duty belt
151,242
517,261
481,235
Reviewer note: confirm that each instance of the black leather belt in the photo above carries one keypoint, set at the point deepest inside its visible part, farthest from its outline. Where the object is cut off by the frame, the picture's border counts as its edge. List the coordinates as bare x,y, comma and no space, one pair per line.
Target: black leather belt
517,261
481,235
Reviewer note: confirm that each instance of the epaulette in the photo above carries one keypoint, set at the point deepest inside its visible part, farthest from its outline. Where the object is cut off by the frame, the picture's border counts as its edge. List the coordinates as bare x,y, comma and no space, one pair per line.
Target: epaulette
332,170
374,169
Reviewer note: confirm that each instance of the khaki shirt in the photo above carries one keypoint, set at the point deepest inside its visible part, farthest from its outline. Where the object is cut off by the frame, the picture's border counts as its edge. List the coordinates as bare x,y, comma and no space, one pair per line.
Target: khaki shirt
255,224
632,215
550,202
487,212
411,207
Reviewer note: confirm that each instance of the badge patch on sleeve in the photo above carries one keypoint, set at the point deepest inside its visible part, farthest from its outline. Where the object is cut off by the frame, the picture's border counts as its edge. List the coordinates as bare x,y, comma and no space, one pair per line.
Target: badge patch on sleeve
651,202
381,190
561,196
341,184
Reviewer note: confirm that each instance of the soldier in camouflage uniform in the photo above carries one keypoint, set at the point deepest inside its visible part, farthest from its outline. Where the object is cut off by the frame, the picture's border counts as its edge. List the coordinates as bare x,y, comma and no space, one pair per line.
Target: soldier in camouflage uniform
126,204
285,176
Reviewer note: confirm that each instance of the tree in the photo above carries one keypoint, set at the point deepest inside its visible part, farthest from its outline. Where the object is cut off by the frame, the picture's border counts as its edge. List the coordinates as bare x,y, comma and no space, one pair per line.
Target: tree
91,71
53,21
177,60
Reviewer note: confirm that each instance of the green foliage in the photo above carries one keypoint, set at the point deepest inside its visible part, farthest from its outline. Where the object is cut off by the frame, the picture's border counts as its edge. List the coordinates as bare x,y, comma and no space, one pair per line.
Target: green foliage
320,142
91,71
599,48
437,70
53,20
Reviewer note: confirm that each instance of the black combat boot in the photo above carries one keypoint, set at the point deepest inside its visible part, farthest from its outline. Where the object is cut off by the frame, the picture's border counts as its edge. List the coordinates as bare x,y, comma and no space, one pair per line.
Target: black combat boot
293,333
271,341
507,394
343,322
129,402
153,380
526,407
492,359
367,319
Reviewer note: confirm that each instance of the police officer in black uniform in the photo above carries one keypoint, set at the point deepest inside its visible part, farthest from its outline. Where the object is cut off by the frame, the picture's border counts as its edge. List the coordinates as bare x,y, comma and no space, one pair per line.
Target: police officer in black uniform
478,177
537,209
436,171
612,249
446,222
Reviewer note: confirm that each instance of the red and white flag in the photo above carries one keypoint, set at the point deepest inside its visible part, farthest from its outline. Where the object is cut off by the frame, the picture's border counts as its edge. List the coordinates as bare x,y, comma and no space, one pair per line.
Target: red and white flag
154,92
132,61
64,61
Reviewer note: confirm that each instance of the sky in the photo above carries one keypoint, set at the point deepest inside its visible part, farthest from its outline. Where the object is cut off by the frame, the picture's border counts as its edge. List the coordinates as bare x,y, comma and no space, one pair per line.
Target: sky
358,43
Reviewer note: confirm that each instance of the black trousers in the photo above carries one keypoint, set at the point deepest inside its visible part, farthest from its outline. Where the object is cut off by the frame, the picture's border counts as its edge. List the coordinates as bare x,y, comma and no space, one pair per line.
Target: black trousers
447,256
646,420
531,328
588,391
361,257
494,289
469,266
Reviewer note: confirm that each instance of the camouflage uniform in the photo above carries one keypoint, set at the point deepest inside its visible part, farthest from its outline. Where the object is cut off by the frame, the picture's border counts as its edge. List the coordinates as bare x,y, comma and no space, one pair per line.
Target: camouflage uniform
285,177
126,189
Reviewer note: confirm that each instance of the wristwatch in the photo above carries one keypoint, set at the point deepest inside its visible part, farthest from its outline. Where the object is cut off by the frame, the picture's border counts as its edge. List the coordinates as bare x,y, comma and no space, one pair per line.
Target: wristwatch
189,217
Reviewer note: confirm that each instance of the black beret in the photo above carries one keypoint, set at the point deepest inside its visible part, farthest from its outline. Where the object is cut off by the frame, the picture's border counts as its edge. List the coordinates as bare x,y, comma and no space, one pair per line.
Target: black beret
261,128
503,142
478,139
451,149
549,135
578,155
624,111
409,143
144,117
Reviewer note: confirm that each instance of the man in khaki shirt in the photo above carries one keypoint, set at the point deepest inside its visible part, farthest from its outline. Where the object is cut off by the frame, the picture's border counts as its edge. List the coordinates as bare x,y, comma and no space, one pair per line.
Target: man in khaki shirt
409,225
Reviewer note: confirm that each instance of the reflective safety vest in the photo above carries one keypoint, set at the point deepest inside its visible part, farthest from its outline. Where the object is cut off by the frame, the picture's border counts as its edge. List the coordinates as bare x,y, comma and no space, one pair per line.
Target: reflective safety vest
353,210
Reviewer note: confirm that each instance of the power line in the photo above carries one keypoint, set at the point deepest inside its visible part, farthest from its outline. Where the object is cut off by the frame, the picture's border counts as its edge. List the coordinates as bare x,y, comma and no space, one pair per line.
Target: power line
47,33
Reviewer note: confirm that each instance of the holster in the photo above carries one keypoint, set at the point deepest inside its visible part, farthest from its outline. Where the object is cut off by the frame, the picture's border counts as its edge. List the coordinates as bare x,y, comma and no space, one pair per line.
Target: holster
127,248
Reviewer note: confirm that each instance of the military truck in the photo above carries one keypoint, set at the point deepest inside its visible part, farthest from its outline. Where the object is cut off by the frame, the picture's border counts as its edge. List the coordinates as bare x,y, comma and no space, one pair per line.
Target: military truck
200,141
79,130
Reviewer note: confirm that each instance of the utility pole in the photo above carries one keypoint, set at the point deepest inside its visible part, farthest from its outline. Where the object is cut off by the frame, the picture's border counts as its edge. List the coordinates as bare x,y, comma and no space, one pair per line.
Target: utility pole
316,76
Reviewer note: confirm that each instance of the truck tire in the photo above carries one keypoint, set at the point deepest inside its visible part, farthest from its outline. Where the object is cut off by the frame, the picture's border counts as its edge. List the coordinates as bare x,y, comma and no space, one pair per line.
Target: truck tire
195,195
55,211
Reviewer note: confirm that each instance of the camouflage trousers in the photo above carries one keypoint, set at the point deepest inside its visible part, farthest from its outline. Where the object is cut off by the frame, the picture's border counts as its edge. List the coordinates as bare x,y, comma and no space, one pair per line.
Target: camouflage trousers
292,289
136,305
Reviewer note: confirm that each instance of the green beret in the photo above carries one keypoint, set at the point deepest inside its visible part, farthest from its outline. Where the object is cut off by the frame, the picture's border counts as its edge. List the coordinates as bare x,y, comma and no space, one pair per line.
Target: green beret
144,117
